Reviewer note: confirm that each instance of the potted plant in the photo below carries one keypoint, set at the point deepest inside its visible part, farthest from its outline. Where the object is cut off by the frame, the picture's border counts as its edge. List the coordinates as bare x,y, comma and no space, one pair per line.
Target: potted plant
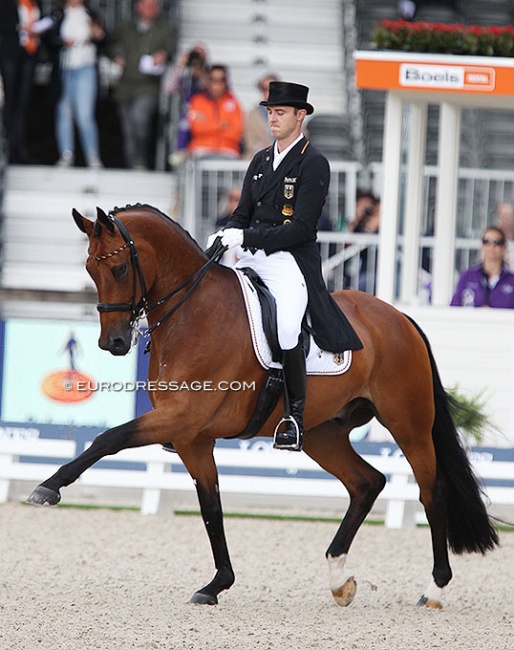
444,39
470,416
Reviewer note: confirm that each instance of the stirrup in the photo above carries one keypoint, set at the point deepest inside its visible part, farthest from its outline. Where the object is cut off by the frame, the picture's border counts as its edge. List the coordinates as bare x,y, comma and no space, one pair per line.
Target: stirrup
293,446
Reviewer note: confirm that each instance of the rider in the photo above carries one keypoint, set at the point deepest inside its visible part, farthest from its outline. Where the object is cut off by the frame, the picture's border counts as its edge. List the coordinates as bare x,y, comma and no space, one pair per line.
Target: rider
275,223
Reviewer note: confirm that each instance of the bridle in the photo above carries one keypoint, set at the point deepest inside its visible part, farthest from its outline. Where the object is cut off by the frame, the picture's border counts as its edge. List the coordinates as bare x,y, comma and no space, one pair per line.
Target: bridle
141,308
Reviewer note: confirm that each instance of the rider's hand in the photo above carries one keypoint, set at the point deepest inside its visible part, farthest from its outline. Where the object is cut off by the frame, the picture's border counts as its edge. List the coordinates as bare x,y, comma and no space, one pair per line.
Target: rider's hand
211,238
232,237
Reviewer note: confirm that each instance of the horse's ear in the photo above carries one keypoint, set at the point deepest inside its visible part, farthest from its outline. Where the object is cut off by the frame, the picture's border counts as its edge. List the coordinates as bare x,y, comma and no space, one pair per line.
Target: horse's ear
104,219
82,223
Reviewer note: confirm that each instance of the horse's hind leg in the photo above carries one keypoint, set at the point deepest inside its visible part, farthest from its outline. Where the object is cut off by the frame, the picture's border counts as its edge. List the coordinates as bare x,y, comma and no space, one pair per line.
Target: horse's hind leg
329,446
432,496
412,431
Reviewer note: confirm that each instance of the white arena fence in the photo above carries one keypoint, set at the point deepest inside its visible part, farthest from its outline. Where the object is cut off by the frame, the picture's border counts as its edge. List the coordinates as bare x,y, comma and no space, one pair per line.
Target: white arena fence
203,184
252,469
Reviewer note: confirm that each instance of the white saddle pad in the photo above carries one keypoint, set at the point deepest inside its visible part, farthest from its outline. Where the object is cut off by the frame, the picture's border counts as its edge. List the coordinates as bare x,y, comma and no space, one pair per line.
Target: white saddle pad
319,362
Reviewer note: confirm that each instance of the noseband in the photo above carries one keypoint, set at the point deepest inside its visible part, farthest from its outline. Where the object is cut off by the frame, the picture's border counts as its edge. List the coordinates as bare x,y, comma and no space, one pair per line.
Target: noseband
140,308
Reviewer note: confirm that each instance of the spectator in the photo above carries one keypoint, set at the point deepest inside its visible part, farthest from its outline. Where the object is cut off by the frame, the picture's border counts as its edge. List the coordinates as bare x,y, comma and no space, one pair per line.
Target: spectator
505,221
74,37
228,204
489,283
187,77
141,46
367,220
407,8
257,135
368,257
364,207
216,119
18,55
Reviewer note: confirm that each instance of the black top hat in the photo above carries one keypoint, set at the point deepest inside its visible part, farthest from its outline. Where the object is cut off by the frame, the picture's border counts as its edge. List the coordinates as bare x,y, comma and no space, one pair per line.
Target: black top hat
285,93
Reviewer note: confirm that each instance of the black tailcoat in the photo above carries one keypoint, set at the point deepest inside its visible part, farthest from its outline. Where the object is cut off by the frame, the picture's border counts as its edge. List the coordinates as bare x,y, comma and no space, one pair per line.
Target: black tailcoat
279,211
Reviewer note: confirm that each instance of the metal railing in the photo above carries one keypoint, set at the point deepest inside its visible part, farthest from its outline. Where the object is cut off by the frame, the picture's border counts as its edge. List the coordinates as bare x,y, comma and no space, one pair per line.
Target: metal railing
349,259
204,183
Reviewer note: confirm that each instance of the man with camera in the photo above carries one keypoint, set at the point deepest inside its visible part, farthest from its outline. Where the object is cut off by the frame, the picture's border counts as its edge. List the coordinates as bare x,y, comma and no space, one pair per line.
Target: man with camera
187,77
366,220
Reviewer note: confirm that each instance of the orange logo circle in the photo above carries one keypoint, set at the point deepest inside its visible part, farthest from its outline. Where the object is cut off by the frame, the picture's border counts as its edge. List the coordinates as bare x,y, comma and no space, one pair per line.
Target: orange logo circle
68,386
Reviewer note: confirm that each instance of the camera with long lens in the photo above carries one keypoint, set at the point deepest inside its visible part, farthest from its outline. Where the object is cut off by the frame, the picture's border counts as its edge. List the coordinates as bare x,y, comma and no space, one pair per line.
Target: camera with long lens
194,59
366,214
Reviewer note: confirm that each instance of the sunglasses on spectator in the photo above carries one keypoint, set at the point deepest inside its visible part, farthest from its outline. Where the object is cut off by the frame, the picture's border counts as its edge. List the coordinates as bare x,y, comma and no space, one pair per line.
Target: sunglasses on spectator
493,242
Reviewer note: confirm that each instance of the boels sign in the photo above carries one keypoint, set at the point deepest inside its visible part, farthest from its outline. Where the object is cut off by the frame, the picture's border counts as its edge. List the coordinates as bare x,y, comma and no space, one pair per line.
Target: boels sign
451,77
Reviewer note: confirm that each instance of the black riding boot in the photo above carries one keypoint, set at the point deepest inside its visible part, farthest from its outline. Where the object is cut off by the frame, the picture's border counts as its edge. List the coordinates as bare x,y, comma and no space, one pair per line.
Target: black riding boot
290,432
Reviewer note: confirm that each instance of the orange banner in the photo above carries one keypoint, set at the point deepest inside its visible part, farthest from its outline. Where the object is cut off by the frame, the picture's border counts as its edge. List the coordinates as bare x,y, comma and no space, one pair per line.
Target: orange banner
437,74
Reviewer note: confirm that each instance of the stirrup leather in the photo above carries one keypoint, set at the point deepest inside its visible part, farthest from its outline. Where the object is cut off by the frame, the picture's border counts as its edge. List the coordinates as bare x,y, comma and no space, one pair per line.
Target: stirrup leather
297,445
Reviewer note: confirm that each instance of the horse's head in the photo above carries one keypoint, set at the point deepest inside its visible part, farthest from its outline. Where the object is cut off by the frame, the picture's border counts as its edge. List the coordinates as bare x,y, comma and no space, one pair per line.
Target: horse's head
116,267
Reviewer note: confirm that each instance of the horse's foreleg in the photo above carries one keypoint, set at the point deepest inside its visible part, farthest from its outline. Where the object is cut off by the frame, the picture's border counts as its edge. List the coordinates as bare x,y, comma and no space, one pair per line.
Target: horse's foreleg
200,464
107,443
329,446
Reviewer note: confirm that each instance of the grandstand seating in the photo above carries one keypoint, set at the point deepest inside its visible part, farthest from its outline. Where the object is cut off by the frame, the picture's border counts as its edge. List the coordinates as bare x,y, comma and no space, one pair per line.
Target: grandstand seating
495,129
310,46
3,167
314,45
492,12
332,134
42,247
298,40
437,12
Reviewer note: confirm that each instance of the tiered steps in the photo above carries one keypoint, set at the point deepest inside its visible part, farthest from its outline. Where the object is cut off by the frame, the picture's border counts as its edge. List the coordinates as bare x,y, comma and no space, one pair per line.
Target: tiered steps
298,40
42,247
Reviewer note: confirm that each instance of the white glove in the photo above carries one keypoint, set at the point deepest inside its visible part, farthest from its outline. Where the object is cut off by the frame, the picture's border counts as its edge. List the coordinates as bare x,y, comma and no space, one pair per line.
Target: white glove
232,237
211,238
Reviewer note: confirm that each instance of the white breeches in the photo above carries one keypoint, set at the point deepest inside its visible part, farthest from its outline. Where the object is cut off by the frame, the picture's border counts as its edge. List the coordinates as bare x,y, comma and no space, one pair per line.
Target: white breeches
281,274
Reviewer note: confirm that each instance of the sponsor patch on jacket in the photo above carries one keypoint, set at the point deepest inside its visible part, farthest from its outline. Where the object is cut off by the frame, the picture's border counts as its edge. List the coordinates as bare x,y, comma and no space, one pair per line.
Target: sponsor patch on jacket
287,210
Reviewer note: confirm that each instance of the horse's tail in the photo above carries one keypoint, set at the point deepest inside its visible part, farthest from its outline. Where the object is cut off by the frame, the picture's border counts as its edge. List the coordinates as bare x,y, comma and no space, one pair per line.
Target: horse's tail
469,525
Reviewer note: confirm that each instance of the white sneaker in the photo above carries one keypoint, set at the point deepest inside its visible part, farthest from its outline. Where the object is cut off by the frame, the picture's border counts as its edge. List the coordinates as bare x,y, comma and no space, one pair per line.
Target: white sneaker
94,162
66,160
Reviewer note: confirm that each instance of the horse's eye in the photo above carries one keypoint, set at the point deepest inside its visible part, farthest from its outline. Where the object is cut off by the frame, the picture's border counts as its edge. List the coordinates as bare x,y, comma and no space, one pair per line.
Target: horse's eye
120,271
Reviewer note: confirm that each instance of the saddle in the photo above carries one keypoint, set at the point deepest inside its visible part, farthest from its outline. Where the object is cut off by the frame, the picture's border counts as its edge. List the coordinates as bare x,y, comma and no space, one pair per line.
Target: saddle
269,316
274,382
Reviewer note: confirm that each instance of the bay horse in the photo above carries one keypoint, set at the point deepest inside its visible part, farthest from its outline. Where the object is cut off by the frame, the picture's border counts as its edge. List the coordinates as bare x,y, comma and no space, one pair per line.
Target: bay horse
143,262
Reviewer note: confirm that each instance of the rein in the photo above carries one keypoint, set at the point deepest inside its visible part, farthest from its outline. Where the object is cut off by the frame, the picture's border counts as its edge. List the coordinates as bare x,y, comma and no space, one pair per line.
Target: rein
142,307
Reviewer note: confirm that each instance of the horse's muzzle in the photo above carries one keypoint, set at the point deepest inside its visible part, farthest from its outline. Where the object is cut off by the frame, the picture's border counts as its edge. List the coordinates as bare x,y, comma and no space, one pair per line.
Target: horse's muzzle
118,344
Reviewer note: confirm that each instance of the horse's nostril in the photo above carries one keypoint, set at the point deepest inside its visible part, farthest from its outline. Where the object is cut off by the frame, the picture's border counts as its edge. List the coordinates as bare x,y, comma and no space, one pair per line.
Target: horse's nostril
119,346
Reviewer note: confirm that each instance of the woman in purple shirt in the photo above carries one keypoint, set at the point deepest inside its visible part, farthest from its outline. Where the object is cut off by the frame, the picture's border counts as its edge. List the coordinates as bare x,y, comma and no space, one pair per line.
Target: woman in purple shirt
490,283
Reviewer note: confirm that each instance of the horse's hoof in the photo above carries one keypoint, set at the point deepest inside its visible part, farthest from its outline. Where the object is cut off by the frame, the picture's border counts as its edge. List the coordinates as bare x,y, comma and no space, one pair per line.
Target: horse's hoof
345,594
43,496
431,603
203,599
